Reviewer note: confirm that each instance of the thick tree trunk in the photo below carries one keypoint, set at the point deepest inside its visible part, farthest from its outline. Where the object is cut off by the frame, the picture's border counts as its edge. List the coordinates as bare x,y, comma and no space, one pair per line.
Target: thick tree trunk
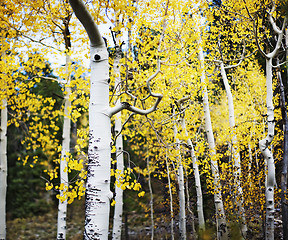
64,181
118,210
200,213
235,153
3,169
268,156
181,191
222,232
98,194
284,193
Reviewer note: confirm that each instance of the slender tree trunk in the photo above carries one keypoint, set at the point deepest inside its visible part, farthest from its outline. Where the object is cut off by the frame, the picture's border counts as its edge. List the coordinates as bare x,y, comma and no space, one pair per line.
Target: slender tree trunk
200,213
181,191
64,181
235,153
284,193
286,42
118,210
151,200
3,169
171,199
268,156
190,211
222,232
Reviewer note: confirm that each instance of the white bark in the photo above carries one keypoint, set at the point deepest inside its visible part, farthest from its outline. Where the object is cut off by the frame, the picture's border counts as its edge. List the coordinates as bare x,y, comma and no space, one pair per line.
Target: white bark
268,156
98,192
171,199
236,159
191,213
264,143
3,169
222,232
62,205
181,191
151,200
200,213
118,210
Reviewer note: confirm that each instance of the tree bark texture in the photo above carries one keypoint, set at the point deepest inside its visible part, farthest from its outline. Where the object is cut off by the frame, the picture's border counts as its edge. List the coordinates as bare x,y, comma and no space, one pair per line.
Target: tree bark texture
62,205
284,193
3,169
200,213
98,194
222,232
235,153
118,210
268,156
151,200
181,190
171,199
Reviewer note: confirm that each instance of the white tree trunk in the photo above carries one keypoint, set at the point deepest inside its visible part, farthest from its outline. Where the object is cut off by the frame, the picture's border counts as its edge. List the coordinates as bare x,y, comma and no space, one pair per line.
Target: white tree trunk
268,156
222,232
98,192
200,213
181,191
235,152
62,205
3,169
151,200
118,210
171,199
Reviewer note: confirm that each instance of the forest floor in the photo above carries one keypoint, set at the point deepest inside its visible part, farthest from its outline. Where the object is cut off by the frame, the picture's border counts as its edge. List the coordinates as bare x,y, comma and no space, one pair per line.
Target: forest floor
44,227
137,227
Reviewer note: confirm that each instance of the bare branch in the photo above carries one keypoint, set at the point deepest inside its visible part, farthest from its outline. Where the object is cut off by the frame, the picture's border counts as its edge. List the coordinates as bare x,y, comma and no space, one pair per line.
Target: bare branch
123,125
280,64
279,40
275,27
240,61
125,105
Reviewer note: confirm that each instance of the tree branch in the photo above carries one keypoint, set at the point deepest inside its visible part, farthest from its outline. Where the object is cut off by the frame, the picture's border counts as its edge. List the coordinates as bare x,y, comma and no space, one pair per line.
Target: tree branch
88,23
279,40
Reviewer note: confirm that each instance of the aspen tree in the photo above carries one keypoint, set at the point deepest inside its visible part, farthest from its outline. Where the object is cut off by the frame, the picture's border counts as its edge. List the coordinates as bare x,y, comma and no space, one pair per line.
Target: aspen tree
118,210
265,142
234,142
98,192
197,180
3,152
62,207
284,204
151,200
3,168
65,152
170,196
222,232
180,179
